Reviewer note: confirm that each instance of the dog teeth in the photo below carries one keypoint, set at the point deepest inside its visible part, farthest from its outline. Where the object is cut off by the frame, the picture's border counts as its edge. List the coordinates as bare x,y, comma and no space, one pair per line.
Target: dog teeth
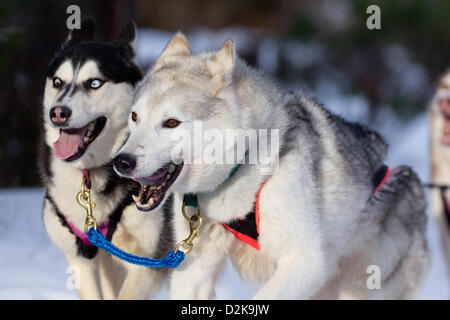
172,168
159,188
151,201
90,129
168,176
135,198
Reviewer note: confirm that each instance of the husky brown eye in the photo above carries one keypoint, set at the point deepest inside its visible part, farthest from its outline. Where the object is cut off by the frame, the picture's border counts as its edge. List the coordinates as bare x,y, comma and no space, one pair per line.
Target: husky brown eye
171,123
134,116
57,82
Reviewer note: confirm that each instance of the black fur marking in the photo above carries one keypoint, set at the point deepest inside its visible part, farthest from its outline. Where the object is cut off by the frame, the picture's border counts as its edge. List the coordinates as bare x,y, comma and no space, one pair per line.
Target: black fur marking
114,217
74,90
126,37
166,233
246,226
304,126
358,145
112,64
61,97
85,33
89,251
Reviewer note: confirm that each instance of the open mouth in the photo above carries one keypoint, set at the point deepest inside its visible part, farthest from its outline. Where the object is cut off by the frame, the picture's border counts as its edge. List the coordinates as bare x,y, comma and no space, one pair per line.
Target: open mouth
72,143
154,187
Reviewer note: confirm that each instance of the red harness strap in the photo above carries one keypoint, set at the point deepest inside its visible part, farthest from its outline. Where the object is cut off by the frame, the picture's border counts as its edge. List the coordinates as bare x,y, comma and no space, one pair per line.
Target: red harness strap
247,229
381,177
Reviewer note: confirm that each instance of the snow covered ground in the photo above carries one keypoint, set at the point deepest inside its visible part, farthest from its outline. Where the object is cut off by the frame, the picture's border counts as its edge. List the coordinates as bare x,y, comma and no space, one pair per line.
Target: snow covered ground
32,267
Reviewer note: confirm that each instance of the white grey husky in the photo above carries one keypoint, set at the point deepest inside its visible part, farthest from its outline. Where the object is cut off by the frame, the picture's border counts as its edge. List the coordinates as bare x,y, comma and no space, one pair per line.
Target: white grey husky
89,90
330,221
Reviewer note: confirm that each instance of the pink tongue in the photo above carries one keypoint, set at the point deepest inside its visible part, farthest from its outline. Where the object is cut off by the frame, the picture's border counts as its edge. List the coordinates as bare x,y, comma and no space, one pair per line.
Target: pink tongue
68,142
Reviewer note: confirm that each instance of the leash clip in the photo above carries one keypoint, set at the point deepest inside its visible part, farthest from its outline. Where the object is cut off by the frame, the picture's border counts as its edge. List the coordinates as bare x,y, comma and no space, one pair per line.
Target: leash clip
195,222
84,200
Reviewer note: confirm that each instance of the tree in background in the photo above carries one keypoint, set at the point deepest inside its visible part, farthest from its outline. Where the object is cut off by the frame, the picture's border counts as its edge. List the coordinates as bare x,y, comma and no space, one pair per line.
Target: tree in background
314,41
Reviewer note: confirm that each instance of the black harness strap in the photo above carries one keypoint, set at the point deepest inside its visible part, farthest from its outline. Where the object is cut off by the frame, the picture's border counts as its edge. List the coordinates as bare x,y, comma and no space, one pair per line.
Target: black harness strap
248,226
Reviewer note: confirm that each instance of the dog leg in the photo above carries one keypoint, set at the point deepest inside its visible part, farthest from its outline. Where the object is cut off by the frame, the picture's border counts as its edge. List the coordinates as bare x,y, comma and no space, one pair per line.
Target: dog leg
296,277
196,280
196,276
290,235
84,271
86,277
111,275
141,283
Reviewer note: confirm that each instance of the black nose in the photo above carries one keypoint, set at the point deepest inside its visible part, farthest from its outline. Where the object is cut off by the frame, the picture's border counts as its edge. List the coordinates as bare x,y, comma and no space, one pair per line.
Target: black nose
59,115
124,163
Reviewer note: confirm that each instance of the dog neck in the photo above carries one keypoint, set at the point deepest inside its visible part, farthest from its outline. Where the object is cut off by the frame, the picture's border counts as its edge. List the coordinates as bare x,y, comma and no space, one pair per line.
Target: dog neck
106,191
261,104
235,197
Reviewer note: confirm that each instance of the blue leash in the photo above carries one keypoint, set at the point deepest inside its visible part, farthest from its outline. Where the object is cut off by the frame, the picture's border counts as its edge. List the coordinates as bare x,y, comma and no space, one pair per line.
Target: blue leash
171,260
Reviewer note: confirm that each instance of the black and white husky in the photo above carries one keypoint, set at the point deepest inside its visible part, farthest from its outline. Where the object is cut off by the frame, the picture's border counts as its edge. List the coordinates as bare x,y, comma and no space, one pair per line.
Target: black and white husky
89,89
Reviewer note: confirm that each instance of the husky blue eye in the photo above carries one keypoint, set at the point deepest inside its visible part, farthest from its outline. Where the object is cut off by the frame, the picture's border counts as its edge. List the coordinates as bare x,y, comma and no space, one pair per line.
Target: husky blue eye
57,82
95,83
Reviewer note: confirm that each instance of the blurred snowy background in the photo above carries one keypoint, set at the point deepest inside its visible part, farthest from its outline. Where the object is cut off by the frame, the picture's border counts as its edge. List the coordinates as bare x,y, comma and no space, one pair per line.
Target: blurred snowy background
382,78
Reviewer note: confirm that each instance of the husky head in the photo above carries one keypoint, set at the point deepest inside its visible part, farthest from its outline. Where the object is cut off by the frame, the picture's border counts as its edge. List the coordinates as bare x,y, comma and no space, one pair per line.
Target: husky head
180,91
88,91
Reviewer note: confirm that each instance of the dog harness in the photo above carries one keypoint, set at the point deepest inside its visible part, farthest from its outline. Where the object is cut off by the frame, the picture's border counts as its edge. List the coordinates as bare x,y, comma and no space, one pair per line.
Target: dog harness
96,237
103,228
247,229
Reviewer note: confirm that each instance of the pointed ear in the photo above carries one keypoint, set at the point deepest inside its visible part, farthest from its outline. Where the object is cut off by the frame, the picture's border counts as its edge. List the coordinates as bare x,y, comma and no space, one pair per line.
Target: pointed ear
126,41
85,33
221,64
177,46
